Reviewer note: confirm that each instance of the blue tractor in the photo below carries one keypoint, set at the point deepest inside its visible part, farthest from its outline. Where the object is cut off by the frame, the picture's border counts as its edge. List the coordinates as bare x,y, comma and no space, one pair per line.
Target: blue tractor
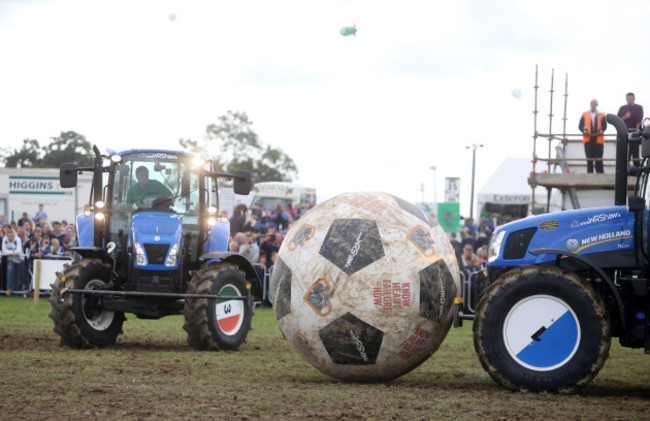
154,243
561,285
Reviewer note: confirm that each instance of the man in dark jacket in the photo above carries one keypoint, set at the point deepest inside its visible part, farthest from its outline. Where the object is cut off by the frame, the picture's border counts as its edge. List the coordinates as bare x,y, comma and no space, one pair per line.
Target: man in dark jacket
632,115
238,220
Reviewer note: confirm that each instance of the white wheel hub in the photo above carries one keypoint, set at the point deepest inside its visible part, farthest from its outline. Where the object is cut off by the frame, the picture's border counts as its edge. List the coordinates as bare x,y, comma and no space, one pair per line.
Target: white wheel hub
100,321
230,313
541,332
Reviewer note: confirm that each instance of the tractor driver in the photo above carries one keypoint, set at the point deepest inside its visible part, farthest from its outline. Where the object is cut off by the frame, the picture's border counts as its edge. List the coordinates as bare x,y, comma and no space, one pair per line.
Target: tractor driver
145,187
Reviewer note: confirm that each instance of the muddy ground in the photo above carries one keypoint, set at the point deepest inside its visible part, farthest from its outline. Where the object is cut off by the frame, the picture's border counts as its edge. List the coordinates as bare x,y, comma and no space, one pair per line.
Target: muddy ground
151,373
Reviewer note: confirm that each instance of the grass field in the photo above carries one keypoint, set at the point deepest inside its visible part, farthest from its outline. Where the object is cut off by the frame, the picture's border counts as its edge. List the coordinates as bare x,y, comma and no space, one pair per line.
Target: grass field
151,373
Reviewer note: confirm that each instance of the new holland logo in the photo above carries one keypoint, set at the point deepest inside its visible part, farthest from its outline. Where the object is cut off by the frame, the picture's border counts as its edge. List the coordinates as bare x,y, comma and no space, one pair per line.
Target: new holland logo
572,245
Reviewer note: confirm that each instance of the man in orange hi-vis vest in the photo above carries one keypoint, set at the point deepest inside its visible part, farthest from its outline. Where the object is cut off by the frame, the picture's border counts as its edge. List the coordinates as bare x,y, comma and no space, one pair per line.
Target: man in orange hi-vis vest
592,126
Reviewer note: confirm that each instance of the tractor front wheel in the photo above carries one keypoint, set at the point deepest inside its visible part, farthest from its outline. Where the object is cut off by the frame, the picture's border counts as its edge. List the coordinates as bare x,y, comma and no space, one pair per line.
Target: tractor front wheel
541,329
79,318
214,324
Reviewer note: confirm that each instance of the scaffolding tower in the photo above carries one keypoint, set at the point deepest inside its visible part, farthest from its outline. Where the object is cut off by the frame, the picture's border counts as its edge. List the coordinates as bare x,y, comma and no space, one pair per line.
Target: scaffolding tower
567,170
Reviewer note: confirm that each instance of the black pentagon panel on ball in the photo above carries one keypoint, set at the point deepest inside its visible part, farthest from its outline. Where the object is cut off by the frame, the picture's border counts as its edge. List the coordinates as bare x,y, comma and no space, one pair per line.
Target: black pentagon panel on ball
281,288
352,244
351,341
415,211
437,291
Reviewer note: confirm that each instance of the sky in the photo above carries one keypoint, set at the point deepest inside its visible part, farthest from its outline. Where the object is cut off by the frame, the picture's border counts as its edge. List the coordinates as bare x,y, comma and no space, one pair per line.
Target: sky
420,82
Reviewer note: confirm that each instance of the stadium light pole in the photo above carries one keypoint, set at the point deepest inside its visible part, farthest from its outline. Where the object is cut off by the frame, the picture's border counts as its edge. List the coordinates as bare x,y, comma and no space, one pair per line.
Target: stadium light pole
435,188
474,147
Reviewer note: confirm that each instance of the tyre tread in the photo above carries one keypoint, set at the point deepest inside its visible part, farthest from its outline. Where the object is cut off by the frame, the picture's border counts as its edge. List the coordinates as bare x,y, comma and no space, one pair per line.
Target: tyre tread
195,311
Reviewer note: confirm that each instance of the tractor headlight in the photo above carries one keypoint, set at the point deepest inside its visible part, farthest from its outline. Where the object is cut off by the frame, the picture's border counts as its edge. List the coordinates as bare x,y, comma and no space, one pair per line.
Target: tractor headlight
116,158
99,205
495,246
211,221
140,257
198,162
172,256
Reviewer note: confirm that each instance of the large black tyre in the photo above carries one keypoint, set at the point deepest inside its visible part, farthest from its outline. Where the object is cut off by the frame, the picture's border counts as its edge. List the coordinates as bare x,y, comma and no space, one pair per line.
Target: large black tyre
541,329
213,324
76,320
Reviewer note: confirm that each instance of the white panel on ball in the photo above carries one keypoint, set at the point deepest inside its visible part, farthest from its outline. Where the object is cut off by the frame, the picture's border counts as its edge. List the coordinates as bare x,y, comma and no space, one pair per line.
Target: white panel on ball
364,286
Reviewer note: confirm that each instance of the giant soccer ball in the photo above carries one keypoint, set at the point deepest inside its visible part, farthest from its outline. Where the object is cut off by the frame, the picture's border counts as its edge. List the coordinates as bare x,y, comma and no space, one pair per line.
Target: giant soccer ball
364,286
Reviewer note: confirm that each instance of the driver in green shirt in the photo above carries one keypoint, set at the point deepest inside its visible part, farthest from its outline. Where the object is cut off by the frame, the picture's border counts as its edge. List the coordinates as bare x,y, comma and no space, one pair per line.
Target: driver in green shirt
145,187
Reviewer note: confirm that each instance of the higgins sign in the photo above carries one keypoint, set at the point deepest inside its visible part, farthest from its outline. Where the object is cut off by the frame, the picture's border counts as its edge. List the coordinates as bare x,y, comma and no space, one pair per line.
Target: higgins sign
36,185
24,189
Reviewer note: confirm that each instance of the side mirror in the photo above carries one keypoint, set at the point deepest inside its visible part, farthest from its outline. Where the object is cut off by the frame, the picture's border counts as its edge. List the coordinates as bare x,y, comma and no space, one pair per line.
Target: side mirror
68,175
242,182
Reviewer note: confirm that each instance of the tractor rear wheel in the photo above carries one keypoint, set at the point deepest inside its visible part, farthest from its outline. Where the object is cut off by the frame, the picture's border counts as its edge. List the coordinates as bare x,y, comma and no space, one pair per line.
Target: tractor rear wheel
214,324
78,318
541,329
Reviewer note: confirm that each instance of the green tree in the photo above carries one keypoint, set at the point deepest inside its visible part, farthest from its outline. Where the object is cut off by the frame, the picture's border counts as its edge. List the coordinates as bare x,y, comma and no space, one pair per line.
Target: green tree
29,155
234,145
69,146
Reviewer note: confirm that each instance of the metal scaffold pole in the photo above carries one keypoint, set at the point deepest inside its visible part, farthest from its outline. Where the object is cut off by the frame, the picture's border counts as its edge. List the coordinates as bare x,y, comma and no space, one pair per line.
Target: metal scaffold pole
564,119
535,112
550,122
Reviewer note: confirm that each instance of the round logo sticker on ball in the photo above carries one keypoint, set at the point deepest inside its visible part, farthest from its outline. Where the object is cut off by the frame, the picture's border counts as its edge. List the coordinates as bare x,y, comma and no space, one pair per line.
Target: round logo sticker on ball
364,286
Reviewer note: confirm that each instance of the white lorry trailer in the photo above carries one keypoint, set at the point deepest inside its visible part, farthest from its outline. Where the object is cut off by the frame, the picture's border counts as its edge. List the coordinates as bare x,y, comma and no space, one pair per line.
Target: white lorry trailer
23,189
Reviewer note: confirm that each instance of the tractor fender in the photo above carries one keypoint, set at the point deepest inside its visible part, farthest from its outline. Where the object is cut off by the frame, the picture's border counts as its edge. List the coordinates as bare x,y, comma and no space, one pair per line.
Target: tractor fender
242,263
586,261
94,252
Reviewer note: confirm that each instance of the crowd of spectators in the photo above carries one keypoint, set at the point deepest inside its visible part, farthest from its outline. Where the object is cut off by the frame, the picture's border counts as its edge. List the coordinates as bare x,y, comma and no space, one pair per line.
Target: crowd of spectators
257,233
29,239
472,247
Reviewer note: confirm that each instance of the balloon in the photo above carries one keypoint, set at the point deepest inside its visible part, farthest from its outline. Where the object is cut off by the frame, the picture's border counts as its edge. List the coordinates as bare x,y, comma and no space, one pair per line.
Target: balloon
346,31
516,93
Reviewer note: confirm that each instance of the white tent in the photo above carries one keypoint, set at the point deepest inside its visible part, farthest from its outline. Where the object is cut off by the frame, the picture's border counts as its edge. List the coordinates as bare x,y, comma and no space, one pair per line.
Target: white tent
508,185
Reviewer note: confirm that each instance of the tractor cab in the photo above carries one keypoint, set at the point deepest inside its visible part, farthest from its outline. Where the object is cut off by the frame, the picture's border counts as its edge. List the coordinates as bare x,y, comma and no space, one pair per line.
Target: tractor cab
155,201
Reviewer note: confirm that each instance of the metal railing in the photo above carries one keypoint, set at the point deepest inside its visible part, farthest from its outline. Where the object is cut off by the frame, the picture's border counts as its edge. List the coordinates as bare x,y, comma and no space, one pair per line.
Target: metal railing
28,281
471,290
264,281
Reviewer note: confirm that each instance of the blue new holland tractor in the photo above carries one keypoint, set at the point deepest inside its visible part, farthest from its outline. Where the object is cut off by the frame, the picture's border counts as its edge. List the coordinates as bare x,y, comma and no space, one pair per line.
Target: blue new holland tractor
154,243
561,285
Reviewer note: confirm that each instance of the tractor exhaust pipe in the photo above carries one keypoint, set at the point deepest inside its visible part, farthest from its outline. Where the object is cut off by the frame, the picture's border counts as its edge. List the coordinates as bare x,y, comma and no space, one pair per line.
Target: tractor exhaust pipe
620,181
98,233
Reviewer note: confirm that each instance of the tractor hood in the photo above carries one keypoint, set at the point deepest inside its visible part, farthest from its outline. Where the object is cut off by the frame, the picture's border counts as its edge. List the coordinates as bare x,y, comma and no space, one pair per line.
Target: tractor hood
157,236
581,231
